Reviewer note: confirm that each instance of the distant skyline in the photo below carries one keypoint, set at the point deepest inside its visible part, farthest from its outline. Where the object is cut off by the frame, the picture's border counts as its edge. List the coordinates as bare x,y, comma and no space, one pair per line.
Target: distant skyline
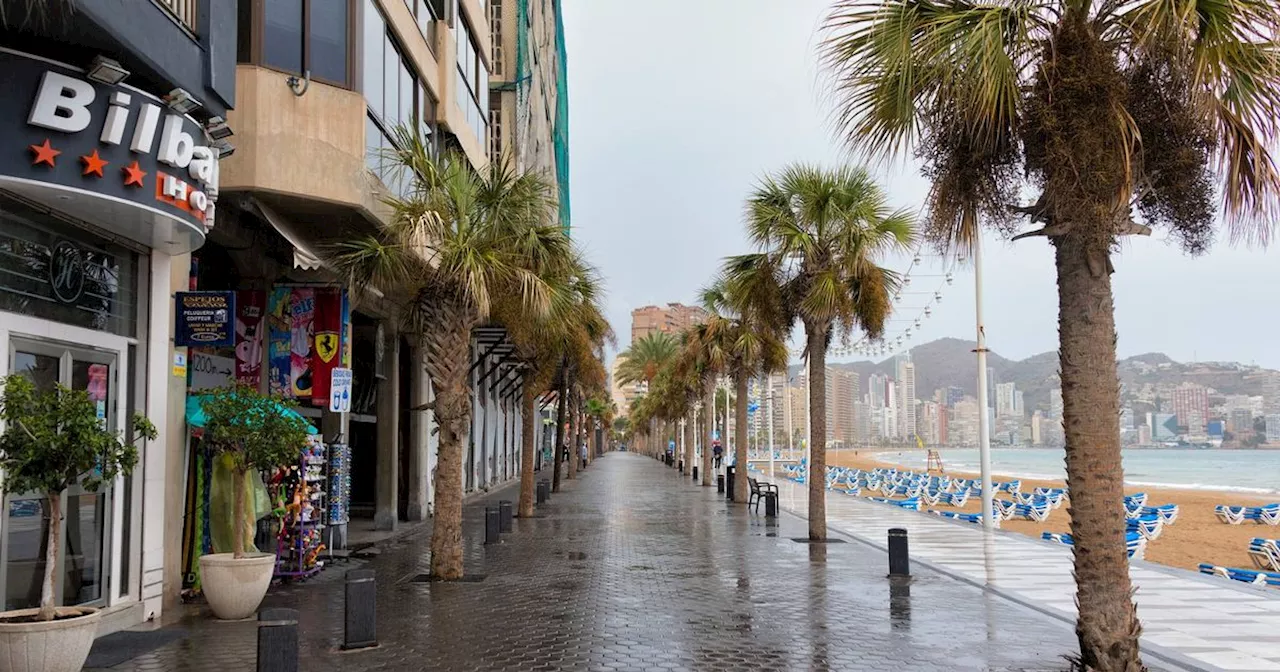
667,141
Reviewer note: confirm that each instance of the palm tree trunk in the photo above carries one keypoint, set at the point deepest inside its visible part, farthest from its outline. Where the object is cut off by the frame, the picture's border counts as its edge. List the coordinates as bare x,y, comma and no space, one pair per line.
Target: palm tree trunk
1107,624
528,399
689,431
558,452
575,430
447,342
740,488
709,427
817,346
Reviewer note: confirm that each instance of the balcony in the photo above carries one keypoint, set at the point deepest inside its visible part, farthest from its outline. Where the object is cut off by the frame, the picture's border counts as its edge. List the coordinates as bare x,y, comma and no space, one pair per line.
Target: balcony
182,10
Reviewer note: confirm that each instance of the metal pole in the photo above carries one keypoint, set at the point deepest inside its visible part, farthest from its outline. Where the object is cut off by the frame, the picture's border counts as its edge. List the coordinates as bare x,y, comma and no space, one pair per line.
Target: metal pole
984,432
770,425
786,413
808,420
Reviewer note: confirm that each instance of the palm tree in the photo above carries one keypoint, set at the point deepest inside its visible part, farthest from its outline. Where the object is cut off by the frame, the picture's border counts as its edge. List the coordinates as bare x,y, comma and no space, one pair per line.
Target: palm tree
459,244
575,330
748,339
601,412
643,360
1113,110
820,233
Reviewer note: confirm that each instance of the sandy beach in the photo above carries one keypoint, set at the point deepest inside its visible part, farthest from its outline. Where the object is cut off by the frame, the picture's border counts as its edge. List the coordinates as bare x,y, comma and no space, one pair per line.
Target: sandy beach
1196,537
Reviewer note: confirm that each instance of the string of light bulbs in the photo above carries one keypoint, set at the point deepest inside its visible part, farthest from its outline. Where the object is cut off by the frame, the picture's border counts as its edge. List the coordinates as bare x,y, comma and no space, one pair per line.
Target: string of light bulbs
891,345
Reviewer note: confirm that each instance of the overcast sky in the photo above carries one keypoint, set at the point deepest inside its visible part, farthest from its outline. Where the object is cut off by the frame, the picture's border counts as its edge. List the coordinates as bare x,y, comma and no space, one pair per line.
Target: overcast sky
677,107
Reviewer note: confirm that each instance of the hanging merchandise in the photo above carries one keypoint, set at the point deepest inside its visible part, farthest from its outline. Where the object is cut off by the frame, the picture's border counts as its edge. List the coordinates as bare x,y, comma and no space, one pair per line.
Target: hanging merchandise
250,306
300,497
280,324
327,348
346,330
303,312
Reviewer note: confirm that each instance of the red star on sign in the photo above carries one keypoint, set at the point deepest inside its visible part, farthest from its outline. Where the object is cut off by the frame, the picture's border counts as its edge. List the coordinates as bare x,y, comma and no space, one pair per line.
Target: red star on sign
93,164
44,154
133,175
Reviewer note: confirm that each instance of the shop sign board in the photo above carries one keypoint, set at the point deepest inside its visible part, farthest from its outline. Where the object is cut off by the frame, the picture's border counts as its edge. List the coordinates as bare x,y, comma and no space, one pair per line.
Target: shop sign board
340,391
205,319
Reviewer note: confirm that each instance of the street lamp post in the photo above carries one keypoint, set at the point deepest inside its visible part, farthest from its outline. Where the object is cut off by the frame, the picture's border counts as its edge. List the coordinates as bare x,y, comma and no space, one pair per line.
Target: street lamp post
984,431
770,423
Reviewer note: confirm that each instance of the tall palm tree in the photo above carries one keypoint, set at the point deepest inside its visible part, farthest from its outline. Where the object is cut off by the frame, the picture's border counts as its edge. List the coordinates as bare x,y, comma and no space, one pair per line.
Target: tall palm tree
1114,110
575,330
459,243
641,362
748,336
820,233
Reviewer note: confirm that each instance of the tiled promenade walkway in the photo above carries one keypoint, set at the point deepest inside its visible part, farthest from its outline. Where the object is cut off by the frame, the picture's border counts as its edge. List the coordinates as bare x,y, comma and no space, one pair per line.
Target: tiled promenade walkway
1198,621
633,568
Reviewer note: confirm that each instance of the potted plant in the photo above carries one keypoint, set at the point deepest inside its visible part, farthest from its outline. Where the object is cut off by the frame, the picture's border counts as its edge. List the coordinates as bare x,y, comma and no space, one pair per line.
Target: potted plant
52,440
261,432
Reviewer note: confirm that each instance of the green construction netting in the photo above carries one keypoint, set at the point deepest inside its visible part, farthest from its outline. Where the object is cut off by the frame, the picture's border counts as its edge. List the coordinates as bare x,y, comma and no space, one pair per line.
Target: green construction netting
560,132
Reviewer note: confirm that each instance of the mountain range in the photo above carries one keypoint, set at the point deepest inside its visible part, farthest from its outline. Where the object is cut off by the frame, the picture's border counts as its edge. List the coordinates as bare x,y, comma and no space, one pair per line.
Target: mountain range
949,362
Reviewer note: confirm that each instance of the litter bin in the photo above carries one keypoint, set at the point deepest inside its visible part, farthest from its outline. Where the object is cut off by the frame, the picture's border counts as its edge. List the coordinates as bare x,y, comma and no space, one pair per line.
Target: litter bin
728,481
719,483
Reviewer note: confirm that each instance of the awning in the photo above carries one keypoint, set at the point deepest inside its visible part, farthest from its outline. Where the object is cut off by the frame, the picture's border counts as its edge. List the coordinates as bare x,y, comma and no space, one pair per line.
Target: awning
195,413
303,257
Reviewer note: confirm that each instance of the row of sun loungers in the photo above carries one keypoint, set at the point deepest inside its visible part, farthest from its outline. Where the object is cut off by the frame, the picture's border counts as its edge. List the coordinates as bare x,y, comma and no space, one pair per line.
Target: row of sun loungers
1134,543
1235,515
1254,576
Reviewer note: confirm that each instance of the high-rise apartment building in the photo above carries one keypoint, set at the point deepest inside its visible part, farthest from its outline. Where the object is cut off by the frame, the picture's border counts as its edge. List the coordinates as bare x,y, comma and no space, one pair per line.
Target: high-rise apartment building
1241,423
906,370
1005,403
672,318
842,394
1191,405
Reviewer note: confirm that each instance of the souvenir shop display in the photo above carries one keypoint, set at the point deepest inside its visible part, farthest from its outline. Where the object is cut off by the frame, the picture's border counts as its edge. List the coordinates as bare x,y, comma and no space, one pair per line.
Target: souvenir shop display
339,510
301,504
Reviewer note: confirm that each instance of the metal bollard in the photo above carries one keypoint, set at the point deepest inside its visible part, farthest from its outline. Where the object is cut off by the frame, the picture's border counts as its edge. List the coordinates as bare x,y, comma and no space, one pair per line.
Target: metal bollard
730,473
681,467
504,516
720,483
695,473
770,505
541,491
546,482
278,640
360,622
492,525
899,559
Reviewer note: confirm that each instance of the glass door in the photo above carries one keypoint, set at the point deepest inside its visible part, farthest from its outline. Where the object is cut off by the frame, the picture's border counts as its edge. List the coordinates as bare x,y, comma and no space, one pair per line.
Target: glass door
81,573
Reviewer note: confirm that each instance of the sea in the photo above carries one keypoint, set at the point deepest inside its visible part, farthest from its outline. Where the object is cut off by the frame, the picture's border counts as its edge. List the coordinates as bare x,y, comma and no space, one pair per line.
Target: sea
1252,471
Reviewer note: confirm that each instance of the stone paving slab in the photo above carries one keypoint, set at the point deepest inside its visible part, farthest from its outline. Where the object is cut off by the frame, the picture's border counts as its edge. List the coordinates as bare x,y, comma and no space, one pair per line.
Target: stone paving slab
635,568
1191,620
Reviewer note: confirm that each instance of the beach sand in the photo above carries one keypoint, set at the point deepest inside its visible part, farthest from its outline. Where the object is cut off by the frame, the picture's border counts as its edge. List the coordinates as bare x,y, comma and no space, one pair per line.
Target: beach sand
1197,536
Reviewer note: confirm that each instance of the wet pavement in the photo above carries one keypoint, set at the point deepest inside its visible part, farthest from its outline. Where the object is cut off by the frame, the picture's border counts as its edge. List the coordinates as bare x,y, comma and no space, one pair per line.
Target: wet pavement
634,568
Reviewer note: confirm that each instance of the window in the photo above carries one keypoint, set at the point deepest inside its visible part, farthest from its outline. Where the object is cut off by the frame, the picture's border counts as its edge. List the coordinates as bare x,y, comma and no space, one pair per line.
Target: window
473,83
396,98
495,125
495,28
427,12
321,48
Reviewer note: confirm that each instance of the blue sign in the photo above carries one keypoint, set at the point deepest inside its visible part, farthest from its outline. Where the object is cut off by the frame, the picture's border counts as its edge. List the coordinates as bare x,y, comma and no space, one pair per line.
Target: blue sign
753,407
671,445
205,318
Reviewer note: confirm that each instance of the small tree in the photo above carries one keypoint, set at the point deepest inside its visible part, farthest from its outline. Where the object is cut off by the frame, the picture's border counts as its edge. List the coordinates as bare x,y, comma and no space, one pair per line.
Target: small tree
257,431
52,440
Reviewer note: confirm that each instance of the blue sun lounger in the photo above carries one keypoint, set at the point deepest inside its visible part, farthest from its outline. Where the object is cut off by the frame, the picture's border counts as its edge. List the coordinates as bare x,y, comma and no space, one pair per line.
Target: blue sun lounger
1265,554
1169,512
1253,576
912,504
1234,515
1148,525
1135,544
956,515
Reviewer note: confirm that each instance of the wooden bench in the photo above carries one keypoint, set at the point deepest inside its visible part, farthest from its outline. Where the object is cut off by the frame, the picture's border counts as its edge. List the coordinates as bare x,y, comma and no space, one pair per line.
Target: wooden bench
758,491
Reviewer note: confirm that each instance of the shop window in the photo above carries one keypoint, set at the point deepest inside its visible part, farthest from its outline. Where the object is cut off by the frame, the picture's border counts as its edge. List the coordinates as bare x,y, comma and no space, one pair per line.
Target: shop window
55,271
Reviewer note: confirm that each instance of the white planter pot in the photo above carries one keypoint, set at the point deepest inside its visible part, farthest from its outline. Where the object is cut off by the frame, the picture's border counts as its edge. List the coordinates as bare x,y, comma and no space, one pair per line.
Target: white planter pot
235,588
49,646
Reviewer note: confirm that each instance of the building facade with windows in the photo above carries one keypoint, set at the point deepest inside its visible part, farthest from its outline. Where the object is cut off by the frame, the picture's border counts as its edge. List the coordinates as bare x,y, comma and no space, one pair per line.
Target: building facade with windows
113,127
